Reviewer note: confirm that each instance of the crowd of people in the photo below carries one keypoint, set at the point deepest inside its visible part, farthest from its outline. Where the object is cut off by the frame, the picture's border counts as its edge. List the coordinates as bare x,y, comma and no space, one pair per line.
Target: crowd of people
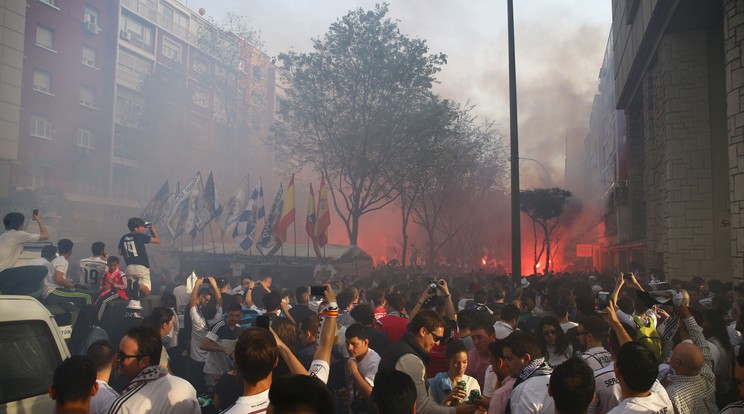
397,341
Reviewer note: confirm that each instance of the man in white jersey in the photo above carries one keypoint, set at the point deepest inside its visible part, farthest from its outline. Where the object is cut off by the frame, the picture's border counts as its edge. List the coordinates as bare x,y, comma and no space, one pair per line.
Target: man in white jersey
591,335
636,369
93,269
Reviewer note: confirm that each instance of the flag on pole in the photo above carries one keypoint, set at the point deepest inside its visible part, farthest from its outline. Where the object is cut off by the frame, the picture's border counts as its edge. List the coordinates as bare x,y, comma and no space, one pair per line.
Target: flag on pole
310,221
393,249
268,245
235,206
179,211
208,206
162,219
324,215
288,213
190,225
247,221
155,207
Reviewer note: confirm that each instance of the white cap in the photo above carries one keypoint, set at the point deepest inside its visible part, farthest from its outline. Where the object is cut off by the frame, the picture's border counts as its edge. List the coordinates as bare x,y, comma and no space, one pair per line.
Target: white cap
134,305
525,283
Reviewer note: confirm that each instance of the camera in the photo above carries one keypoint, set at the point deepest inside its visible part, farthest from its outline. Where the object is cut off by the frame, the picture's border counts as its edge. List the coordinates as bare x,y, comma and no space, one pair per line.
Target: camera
628,276
474,396
148,224
263,321
433,286
317,290
35,212
205,279
603,299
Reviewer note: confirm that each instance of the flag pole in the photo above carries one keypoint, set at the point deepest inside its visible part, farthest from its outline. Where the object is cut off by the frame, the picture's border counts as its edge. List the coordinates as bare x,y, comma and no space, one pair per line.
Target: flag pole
211,235
294,230
308,245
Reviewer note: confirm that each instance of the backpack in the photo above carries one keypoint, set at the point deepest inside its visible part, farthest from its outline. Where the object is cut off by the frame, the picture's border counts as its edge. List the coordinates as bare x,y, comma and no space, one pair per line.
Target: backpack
647,335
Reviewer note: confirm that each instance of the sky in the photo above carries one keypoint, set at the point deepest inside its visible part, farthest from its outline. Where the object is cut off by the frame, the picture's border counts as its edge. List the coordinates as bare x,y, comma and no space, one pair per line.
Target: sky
559,49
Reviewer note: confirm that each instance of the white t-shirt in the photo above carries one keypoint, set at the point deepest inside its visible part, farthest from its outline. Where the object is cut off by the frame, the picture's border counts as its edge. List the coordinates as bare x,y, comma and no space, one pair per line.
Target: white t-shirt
490,381
367,368
596,357
11,246
532,397
199,332
92,271
101,402
568,325
319,369
59,264
253,404
657,403
606,390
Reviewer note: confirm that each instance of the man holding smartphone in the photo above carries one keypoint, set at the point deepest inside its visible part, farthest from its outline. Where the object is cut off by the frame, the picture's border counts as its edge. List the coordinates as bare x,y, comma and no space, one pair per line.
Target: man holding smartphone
11,242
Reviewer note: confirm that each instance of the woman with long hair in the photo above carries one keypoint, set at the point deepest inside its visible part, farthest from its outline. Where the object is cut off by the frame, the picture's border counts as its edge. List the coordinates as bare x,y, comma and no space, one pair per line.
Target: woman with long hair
452,386
162,320
553,341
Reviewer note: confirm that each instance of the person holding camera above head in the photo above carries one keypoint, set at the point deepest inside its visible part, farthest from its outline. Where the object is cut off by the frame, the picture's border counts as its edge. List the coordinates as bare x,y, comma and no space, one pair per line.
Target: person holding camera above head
133,251
204,313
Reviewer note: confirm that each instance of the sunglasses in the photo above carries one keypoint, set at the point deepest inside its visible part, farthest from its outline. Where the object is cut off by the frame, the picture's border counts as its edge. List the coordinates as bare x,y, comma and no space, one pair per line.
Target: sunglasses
123,356
436,337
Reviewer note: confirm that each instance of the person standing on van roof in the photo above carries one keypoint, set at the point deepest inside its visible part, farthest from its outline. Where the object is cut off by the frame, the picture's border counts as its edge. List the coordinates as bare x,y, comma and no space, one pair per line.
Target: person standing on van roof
133,251
11,242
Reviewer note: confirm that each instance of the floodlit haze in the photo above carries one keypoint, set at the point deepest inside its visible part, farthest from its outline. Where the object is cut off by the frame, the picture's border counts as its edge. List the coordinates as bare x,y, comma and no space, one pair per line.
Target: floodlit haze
559,43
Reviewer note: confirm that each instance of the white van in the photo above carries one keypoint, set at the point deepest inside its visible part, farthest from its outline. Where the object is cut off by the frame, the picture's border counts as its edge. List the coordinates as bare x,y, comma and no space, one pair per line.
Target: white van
31,347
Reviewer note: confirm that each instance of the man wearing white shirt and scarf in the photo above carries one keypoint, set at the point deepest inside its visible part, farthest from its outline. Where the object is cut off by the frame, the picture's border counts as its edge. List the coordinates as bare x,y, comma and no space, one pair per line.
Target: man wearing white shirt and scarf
151,389
525,361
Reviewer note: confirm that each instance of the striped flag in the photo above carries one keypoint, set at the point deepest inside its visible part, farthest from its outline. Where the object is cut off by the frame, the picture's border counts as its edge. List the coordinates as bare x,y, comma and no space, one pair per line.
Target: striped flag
247,221
208,206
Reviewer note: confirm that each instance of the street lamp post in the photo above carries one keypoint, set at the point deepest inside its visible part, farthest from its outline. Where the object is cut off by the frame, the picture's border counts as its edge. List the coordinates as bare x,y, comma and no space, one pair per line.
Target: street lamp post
545,169
516,228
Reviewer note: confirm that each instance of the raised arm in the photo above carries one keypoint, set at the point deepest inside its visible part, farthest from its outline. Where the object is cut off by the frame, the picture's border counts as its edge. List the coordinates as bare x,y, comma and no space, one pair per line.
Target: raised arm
154,235
43,233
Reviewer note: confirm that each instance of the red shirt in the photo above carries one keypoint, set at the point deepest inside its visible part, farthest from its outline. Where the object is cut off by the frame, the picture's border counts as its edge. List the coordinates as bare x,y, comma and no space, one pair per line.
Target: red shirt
393,326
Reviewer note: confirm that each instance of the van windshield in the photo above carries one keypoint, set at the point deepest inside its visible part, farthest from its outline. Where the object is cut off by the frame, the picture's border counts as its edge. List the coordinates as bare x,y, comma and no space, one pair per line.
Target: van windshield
27,361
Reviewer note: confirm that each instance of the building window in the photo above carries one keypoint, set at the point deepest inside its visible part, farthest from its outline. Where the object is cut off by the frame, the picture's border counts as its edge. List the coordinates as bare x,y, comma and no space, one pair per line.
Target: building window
90,15
257,73
171,49
52,3
199,65
133,68
89,57
200,98
137,33
85,141
42,81
41,127
86,97
44,38
173,20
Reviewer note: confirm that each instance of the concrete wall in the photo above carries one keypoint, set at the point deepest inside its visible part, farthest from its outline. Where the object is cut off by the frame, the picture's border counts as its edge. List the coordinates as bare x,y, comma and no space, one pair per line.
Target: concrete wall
12,29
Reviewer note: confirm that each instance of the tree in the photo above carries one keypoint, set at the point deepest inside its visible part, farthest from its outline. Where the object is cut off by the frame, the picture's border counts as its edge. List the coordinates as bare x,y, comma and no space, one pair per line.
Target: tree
464,162
349,104
544,206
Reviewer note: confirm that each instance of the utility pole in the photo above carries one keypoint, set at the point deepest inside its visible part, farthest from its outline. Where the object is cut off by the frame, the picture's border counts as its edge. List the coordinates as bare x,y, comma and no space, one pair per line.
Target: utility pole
516,228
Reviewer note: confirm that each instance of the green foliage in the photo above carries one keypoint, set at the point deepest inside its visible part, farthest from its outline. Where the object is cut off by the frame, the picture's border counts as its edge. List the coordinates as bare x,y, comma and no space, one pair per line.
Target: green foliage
543,204
351,104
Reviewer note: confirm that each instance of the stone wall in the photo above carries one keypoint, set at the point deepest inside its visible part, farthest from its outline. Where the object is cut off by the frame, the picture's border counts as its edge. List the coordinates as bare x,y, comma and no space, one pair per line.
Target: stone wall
678,179
733,33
